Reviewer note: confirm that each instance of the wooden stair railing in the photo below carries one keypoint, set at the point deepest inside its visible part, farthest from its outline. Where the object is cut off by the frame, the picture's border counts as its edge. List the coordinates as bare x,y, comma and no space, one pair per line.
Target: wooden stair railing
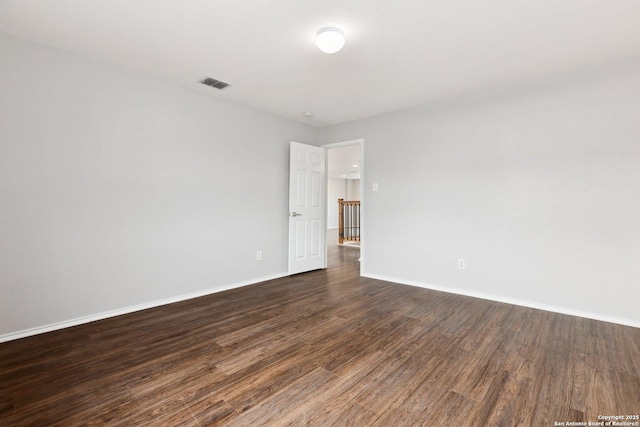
348,221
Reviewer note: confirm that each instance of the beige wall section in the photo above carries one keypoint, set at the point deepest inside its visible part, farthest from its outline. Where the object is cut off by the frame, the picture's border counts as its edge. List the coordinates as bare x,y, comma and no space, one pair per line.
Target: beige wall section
538,189
119,190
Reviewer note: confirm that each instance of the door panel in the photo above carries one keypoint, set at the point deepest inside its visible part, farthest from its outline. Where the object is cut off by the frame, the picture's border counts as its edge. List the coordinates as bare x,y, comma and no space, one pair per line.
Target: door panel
301,232
316,189
315,237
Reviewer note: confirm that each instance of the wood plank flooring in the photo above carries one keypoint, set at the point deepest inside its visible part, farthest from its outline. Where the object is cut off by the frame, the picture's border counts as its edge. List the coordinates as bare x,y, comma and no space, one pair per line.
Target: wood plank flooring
324,348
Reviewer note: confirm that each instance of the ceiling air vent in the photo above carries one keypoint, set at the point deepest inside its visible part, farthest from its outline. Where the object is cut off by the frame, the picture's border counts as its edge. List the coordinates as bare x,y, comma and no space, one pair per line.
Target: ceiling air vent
218,84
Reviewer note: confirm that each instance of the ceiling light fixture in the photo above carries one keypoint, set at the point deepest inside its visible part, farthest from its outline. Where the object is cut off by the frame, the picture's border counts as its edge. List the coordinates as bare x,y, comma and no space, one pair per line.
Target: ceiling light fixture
307,114
330,39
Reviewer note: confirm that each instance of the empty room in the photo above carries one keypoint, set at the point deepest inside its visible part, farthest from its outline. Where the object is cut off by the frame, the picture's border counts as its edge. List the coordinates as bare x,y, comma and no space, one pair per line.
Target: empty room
178,247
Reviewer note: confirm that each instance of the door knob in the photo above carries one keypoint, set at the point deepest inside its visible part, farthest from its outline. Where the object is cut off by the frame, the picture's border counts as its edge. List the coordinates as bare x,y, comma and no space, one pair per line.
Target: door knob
296,214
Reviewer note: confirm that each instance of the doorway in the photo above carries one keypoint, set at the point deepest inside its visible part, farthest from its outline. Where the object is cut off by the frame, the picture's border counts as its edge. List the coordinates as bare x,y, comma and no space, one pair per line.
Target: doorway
345,181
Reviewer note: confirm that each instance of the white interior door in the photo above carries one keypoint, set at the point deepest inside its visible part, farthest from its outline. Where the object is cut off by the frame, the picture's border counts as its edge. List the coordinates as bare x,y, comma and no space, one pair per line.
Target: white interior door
307,206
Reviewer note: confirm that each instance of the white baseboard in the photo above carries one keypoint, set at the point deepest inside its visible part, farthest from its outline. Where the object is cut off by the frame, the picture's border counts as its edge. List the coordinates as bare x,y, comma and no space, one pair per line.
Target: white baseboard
104,315
126,310
512,301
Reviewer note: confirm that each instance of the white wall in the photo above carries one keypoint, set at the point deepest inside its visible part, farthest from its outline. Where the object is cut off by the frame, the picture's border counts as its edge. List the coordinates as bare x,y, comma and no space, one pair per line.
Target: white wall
353,189
336,189
118,190
537,189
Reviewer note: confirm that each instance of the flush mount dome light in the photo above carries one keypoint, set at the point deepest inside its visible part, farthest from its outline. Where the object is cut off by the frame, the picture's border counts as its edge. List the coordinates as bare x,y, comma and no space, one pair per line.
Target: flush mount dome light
330,39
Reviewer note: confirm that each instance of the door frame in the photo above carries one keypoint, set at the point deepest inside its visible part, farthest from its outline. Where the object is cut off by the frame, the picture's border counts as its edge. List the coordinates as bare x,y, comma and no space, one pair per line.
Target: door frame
360,142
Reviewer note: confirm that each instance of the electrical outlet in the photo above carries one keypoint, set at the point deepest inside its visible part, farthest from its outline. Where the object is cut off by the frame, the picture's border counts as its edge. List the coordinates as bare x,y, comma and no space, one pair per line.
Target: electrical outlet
461,264
259,256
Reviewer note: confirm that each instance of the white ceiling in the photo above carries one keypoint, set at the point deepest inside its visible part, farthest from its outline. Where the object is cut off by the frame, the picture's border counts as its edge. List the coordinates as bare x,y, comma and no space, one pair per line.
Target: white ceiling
399,53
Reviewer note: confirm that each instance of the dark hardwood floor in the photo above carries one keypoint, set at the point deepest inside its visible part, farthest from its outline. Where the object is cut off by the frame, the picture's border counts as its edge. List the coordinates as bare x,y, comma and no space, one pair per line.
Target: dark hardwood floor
324,348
